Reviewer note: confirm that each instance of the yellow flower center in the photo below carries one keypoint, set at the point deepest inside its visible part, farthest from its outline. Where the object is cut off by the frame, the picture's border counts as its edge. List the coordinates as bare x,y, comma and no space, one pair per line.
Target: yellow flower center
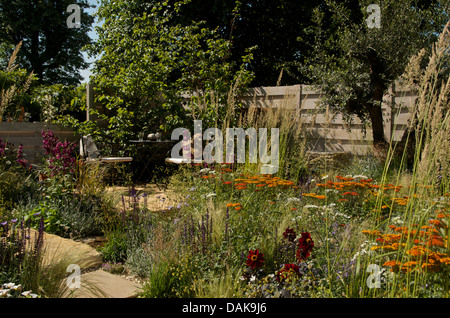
254,257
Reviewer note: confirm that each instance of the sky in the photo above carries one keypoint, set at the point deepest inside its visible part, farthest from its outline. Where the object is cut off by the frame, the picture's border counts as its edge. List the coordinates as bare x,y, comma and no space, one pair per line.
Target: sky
86,73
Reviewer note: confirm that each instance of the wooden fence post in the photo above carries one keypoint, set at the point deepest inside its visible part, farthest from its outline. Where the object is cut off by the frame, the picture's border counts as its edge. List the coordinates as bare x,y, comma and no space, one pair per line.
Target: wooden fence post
89,100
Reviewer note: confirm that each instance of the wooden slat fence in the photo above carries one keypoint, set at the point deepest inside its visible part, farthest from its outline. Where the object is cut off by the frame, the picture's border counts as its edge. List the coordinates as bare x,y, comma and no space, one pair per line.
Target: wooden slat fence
325,134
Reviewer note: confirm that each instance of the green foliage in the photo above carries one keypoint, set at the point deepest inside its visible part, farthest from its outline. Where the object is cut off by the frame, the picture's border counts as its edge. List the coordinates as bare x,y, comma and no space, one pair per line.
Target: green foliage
59,104
18,257
24,99
354,64
275,29
146,63
53,222
50,49
16,82
170,279
115,249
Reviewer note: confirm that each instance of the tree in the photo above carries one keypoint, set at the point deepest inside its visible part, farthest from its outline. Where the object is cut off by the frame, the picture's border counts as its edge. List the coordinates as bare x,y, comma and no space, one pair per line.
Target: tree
147,62
50,49
355,62
276,30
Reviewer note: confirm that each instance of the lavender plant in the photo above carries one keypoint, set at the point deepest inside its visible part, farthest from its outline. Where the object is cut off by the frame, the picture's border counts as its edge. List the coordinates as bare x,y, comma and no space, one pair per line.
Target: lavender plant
20,255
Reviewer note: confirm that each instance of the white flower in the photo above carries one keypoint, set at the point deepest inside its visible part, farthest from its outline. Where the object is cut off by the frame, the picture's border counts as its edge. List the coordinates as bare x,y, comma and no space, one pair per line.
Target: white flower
324,177
8,285
28,293
4,293
253,278
358,176
211,195
205,170
311,206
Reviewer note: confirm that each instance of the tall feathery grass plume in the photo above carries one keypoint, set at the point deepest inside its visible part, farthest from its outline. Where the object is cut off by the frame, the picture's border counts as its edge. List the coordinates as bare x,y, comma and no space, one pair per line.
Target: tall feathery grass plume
284,115
430,114
7,95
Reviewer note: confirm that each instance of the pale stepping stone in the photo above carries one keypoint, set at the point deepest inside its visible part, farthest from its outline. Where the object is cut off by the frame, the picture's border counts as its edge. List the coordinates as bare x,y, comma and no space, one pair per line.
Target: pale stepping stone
101,284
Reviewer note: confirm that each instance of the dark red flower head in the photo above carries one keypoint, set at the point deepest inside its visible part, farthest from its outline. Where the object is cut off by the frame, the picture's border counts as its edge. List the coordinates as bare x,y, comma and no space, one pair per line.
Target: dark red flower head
289,234
255,259
304,246
287,271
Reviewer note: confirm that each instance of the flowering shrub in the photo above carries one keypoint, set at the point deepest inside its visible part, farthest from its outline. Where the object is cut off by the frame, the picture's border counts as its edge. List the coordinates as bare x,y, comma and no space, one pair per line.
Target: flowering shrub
7,156
59,156
17,257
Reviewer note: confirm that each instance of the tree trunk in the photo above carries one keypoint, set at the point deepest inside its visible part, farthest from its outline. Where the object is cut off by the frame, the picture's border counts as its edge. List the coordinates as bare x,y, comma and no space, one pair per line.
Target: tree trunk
380,145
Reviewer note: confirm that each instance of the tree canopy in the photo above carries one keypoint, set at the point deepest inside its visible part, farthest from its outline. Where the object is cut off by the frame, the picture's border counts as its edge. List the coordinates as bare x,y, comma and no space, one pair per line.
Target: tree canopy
147,62
276,30
50,49
354,62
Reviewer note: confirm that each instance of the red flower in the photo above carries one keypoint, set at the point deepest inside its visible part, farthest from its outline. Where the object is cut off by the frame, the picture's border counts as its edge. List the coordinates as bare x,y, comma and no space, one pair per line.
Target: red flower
304,246
289,234
255,259
287,271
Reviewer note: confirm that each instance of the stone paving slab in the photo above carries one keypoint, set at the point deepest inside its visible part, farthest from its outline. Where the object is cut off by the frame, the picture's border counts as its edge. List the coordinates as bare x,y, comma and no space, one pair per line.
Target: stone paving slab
101,284
95,283
57,249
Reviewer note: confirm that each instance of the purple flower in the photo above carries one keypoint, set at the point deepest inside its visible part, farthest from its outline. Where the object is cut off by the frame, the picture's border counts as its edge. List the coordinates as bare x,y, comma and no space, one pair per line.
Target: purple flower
13,220
4,223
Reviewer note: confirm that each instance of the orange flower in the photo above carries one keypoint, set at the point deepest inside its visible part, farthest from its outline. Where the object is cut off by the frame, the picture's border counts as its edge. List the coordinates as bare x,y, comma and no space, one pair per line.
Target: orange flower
431,267
374,233
435,240
394,265
408,266
321,197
